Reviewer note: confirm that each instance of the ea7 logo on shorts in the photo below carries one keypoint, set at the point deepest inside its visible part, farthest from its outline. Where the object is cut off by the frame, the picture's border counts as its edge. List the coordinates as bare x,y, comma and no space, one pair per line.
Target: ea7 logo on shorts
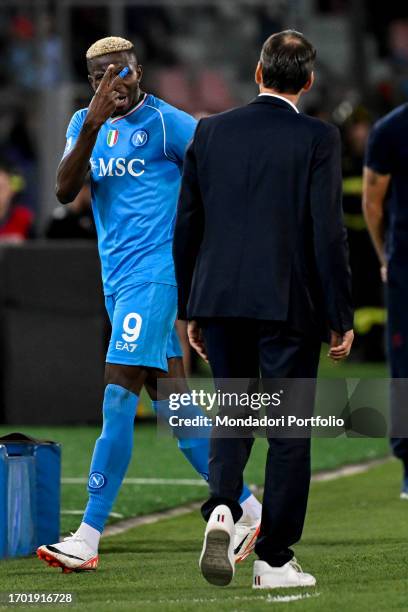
125,346
139,138
96,480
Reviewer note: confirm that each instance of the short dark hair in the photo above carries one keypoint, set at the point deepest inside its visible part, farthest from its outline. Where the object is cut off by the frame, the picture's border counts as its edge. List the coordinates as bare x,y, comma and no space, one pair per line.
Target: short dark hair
287,61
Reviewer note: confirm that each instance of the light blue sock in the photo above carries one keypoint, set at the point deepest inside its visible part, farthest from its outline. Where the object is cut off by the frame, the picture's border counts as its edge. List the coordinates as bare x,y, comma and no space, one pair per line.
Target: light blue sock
196,450
111,457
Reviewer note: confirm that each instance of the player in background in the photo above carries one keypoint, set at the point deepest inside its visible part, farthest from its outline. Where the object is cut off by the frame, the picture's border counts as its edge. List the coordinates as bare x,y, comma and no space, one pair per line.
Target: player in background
132,144
386,187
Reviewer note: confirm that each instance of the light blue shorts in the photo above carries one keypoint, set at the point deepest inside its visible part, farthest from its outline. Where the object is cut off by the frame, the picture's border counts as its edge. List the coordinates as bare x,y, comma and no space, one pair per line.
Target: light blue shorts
143,332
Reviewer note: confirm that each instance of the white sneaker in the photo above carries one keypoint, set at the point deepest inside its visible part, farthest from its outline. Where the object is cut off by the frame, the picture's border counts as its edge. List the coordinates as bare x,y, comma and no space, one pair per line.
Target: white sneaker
217,562
289,575
246,533
73,554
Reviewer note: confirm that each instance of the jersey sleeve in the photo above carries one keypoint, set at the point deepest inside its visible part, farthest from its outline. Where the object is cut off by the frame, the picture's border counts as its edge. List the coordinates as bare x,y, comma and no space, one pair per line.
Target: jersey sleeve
379,150
180,129
73,130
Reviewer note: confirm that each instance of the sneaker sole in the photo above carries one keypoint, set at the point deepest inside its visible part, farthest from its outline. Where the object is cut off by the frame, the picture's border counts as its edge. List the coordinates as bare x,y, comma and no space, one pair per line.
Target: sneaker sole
284,586
249,548
215,564
52,561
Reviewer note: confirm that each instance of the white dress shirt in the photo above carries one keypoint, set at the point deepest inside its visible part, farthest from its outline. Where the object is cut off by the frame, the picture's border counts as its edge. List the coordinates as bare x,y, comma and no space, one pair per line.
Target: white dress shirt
280,98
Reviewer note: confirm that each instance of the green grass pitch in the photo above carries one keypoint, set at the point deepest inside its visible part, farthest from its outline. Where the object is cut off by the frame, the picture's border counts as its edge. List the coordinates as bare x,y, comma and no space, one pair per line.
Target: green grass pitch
354,540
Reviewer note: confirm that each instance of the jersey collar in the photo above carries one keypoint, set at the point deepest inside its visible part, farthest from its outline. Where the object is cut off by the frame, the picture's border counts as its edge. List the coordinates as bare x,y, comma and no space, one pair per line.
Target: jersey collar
280,98
131,111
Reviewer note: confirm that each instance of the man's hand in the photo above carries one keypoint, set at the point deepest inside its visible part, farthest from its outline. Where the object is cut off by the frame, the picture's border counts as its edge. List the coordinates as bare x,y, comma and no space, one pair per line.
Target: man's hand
340,345
103,104
195,338
74,166
384,273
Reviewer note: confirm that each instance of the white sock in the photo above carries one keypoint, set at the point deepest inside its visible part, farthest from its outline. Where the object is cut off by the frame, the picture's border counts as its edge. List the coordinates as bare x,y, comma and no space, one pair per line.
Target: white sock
90,535
252,508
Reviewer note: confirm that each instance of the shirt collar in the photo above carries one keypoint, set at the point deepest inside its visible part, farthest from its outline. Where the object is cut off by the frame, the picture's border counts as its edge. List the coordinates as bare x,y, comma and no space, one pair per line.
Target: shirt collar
141,102
280,98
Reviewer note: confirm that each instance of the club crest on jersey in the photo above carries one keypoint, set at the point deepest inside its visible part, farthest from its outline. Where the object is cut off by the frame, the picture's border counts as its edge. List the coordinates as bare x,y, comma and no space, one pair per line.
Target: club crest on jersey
96,480
139,138
112,138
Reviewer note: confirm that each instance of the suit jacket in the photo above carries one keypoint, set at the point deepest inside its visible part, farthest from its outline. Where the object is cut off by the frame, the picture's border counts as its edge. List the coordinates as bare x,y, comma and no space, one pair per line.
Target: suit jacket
259,230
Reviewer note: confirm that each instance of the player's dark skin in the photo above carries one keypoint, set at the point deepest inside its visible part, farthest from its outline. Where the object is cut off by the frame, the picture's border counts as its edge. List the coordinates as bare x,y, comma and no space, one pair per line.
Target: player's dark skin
113,96
107,101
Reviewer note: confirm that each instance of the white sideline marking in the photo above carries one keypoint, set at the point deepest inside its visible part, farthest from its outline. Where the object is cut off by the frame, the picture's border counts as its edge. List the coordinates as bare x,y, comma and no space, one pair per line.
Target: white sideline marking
148,519
186,482
326,475
348,470
266,598
80,512
288,598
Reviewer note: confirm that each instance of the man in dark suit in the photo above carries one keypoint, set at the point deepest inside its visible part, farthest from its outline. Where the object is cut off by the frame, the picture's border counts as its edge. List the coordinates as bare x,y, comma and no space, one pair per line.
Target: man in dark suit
262,266
385,196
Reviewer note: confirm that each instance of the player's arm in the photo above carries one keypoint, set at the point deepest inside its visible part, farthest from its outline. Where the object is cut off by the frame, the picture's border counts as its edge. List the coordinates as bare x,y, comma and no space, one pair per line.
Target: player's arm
376,179
375,187
74,166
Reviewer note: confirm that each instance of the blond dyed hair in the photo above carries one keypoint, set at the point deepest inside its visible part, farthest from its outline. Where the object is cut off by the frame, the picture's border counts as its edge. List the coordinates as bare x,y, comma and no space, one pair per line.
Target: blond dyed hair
110,44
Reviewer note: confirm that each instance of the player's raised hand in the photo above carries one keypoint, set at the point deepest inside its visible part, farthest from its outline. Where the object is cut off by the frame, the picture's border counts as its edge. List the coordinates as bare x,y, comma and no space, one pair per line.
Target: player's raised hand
103,104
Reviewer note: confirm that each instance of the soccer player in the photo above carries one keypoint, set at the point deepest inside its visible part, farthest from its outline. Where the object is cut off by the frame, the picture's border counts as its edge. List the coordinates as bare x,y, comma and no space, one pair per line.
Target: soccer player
132,144
385,174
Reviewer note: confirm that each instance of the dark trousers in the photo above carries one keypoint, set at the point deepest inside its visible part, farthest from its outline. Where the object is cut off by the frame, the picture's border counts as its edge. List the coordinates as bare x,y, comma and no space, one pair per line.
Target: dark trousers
245,348
397,350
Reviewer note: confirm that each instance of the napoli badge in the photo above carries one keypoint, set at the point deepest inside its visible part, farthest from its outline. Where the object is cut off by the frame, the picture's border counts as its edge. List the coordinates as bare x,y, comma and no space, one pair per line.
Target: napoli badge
140,138
96,480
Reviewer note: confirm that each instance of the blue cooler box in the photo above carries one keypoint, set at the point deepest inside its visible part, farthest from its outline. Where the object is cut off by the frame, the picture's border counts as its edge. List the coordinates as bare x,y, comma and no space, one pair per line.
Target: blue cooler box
30,476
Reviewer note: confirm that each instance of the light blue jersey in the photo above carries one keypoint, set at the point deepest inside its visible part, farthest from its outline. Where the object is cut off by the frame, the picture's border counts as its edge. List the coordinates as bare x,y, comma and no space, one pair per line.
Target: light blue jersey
135,177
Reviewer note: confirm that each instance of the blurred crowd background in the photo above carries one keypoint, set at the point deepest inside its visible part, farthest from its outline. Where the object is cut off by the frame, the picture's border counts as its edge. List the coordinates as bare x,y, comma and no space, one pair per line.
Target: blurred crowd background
199,56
